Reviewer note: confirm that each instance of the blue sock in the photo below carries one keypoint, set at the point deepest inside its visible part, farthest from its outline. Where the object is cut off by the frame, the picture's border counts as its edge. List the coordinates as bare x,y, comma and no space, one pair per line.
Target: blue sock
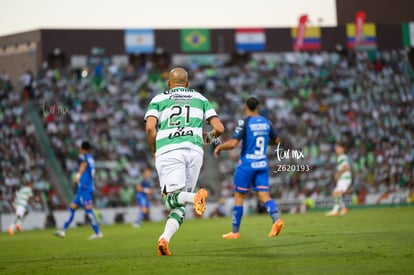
271,208
237,215
92,220
68,222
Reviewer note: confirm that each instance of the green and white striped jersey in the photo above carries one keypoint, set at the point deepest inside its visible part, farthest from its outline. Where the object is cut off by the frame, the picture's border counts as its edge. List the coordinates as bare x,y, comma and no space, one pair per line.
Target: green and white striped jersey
180,113
341,161
22,196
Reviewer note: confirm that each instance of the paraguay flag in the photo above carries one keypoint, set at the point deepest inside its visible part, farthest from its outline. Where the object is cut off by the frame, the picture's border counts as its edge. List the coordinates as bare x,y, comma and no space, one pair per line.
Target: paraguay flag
250,40
311,39
139,41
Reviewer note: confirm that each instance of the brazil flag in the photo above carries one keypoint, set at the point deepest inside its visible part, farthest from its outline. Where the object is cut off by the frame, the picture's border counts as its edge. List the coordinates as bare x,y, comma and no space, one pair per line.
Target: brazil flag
195,40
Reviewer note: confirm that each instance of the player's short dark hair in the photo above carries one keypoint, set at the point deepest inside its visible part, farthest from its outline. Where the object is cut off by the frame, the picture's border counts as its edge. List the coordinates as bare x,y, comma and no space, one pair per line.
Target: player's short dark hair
342,144
252,103
86,145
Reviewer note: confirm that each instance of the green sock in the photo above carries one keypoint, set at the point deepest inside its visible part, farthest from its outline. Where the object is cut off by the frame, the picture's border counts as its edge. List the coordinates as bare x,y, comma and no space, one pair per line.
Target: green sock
171,201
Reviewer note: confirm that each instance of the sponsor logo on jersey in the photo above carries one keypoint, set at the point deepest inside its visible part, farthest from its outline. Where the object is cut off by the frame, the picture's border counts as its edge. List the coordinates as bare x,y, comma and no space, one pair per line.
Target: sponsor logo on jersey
181,133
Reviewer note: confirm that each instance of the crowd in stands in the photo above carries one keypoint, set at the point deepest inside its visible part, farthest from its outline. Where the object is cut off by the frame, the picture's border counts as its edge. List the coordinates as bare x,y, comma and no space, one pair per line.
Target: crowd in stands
312,99
20,158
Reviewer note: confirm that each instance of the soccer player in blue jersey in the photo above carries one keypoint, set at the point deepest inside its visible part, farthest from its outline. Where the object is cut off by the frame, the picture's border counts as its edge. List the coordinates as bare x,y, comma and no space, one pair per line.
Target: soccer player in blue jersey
255,132
144,189
84,196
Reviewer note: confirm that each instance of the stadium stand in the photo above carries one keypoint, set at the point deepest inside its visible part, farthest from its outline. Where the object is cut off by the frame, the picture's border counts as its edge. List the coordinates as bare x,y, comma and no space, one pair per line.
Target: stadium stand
313,99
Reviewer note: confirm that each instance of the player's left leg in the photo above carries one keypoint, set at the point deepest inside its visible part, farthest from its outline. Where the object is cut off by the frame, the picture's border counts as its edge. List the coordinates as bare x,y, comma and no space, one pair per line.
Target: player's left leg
93,222
236,216
174,221
142,215
344,185
145,209
261,186
88,206
143,205
242,179
18,223
339,207
337,198
72,208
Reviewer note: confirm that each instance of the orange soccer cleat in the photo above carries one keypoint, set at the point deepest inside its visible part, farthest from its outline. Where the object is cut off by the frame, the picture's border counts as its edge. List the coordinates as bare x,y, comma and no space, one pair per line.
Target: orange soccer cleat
200,201
276,228
11,231
231,235
163,248
18,227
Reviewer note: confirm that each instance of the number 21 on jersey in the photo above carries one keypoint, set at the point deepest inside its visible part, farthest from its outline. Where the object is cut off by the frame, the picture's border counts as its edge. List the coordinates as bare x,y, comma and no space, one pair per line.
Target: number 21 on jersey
180,116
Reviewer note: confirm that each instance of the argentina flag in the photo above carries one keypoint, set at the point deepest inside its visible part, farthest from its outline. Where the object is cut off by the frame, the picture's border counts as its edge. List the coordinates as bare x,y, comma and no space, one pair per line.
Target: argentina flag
139,41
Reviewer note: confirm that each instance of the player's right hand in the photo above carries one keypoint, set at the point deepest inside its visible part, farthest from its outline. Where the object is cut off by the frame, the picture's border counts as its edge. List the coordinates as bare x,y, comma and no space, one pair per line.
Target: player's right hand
77,178
211,139
216,152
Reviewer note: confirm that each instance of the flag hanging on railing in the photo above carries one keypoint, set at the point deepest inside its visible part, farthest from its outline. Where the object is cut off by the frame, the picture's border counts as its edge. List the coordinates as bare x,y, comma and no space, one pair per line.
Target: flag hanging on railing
304,37
367,40
250,40
139,40
408,34
361,35
195,40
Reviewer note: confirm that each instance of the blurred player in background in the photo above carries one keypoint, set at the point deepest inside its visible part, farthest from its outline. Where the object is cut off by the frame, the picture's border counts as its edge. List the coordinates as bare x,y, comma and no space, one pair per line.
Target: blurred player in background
174,129
255,132
143,191
84,196
22,198
343,180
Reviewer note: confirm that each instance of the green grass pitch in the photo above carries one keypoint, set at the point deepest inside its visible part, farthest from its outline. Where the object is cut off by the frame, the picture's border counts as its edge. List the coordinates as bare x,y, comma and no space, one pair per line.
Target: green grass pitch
365,241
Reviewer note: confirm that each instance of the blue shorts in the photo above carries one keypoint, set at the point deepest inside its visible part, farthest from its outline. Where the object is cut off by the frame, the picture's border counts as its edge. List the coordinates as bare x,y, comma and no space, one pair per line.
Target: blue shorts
83,199
142,200
247,177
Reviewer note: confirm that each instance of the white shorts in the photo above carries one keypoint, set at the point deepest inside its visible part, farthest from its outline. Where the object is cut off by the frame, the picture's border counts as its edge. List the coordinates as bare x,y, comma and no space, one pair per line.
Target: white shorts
342,185
178,170
20,210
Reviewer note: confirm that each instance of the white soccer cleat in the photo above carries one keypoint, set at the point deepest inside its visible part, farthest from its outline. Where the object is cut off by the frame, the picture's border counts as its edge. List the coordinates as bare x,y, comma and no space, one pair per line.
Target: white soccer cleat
96,236
136,225
60,234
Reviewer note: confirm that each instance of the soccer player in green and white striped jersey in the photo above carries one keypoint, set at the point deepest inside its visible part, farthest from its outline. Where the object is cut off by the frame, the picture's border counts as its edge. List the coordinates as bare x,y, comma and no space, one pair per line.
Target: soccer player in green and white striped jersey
174,129
343,179
20,204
